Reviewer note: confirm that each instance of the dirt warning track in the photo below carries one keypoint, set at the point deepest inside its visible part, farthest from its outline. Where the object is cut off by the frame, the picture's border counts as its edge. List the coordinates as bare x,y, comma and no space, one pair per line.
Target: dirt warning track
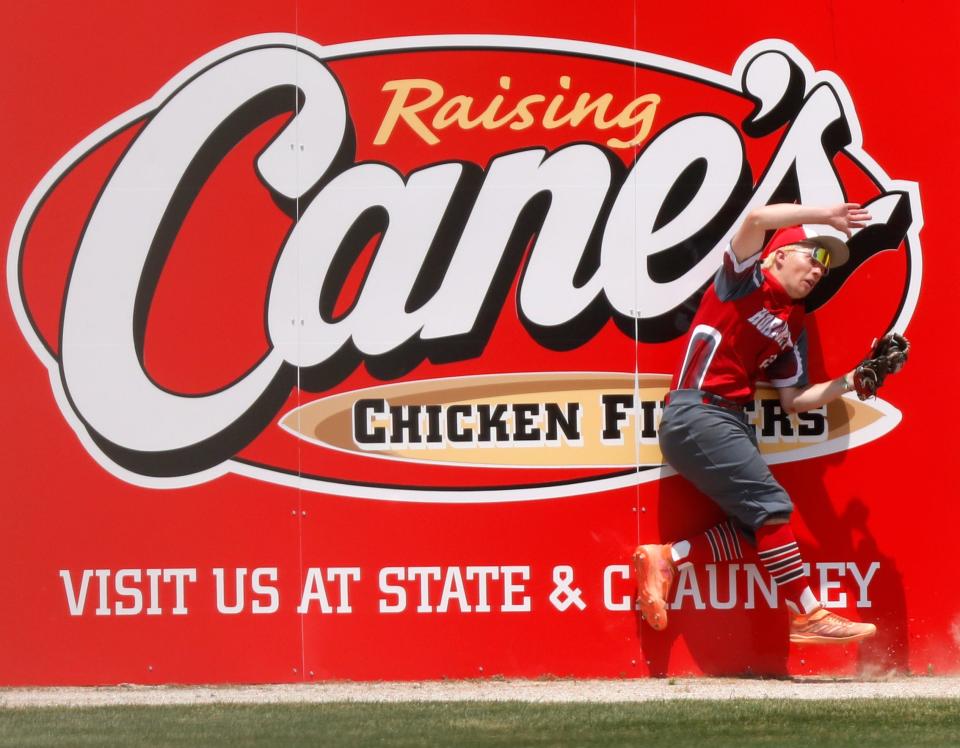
544,691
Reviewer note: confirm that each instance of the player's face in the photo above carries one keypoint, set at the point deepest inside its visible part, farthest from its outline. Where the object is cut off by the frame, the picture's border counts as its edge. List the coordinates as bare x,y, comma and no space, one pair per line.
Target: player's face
801,271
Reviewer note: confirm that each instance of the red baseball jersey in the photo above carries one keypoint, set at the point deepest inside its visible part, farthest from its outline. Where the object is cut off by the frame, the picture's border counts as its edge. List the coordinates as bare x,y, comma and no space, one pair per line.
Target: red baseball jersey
746,329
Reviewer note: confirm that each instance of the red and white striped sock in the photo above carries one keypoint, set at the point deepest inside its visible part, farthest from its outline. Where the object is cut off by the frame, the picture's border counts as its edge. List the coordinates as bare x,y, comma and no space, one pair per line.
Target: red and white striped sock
780,556
720,544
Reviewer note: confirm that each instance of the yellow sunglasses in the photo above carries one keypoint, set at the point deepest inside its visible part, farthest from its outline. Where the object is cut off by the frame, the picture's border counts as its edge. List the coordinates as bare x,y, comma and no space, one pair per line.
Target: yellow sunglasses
820,255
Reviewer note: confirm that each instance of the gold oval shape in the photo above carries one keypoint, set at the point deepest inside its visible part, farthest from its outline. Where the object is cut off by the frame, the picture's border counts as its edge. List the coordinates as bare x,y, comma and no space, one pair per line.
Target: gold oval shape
554,420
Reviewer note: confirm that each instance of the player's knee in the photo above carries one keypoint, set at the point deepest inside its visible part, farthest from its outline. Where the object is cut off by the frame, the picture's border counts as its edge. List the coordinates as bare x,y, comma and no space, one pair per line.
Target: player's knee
782,518
775,512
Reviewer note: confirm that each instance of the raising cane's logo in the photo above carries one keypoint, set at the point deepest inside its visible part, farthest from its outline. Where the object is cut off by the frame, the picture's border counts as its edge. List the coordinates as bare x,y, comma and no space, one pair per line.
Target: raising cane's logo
327,266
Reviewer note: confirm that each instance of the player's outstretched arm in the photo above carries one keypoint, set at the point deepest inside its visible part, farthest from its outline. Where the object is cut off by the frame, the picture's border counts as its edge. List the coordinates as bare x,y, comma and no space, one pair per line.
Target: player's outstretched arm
748,240
800,399
887,356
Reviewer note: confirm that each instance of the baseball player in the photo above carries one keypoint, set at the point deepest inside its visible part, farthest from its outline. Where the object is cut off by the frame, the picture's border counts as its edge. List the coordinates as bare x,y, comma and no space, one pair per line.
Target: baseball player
750,327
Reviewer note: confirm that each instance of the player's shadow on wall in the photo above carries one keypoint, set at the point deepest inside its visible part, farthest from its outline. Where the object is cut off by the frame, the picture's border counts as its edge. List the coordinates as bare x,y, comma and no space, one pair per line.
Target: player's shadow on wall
889,650
851,540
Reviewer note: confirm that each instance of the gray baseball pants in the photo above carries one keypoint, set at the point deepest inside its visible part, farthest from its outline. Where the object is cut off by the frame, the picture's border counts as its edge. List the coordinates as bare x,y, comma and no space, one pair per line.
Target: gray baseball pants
715,448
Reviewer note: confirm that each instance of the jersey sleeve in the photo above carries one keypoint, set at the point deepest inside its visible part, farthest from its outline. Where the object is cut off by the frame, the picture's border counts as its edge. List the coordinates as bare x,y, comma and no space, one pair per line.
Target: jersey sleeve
737,278
789,369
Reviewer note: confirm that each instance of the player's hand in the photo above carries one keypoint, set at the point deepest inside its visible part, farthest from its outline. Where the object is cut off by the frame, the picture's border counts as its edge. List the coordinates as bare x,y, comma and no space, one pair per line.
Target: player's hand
846,217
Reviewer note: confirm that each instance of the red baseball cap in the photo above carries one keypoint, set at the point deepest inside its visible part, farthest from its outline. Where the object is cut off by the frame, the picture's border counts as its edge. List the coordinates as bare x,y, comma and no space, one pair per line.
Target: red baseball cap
825,236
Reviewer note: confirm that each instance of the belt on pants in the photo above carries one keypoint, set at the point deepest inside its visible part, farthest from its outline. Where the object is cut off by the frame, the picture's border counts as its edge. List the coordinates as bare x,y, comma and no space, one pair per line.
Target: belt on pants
702,396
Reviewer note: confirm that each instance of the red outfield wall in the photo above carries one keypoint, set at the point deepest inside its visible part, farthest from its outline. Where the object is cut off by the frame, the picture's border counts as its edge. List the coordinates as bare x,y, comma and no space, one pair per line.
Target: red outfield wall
337,335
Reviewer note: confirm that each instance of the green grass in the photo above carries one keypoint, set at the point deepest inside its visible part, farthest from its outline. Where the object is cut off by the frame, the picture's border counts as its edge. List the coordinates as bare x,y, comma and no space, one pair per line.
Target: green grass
811,724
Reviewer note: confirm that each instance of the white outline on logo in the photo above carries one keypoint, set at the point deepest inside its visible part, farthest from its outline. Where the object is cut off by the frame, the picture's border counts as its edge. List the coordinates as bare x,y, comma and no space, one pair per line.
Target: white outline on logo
730,82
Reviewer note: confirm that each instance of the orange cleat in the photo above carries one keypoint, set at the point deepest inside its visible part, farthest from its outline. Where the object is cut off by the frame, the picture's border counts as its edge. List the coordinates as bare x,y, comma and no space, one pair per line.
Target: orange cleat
655,570
824,627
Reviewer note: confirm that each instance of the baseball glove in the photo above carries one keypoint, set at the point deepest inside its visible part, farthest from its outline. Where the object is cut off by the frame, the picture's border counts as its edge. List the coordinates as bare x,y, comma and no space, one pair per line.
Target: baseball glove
887,356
